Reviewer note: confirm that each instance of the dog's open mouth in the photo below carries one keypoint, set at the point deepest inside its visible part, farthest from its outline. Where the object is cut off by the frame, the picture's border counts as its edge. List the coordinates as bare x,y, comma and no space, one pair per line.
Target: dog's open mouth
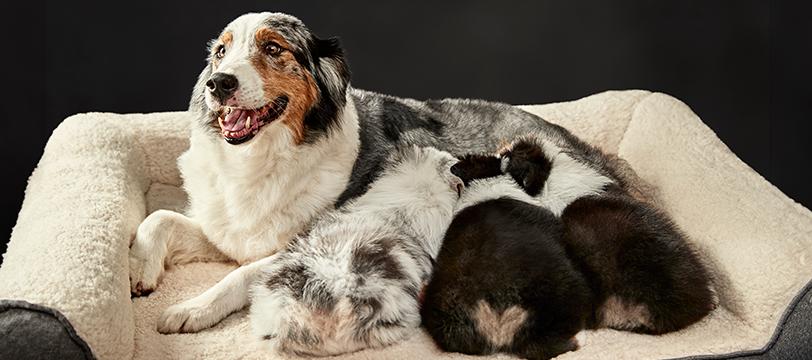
240,125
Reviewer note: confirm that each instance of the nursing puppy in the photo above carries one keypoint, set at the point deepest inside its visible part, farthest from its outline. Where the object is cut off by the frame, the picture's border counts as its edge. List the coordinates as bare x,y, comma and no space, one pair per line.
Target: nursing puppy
352,281
646,276
643,273
503,281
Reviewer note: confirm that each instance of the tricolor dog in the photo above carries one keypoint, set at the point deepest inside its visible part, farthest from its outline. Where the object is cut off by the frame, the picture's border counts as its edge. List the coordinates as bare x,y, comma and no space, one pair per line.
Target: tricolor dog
281,138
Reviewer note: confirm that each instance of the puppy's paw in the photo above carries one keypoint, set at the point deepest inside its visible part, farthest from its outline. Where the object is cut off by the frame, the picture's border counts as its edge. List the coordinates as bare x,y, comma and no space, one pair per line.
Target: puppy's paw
187,317
146,268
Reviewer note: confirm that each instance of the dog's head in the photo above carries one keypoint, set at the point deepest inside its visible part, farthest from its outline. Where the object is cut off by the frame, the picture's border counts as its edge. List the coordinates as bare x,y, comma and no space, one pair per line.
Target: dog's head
268,69
524,160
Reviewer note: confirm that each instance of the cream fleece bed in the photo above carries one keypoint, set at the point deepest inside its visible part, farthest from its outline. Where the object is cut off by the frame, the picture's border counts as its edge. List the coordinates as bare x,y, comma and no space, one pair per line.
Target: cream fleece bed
102,173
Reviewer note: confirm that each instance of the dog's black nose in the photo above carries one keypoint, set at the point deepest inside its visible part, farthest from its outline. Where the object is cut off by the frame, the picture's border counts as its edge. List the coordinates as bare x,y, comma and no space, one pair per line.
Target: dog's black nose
222,85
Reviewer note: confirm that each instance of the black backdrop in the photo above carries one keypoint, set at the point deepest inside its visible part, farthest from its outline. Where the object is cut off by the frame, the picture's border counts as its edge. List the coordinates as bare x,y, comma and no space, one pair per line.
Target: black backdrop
741,65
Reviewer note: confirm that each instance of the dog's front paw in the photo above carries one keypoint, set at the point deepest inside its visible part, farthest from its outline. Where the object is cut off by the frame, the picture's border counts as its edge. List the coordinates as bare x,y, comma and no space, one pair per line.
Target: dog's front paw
188,316
146,268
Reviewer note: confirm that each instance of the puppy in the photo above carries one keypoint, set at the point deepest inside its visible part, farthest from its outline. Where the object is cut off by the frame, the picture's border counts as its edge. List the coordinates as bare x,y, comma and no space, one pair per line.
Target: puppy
643,272
646,276
503,281
352,281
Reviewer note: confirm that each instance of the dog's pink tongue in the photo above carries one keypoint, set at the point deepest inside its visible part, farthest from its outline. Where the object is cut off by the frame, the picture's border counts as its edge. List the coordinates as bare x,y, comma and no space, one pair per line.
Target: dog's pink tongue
235,120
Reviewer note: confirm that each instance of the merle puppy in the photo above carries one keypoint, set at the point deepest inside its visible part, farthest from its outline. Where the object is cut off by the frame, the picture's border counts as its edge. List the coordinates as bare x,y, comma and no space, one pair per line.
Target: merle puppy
353,280
503,281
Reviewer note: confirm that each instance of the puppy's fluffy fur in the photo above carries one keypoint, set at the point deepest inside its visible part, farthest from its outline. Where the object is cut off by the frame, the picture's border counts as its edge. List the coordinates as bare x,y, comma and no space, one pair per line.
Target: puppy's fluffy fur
645,274
354,279
503,281
543,222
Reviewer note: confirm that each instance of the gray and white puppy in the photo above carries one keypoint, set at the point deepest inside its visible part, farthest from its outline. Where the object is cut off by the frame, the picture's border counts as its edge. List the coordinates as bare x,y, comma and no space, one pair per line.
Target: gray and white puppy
353,280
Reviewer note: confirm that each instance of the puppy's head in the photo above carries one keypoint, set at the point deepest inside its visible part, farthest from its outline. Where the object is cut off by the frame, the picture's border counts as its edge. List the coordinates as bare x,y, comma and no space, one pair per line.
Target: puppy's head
527,163
431,166
269,70
524,160
476,166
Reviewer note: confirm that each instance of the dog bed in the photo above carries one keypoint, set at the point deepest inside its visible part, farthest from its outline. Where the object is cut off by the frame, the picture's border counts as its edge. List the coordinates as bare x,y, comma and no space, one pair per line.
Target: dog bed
65,284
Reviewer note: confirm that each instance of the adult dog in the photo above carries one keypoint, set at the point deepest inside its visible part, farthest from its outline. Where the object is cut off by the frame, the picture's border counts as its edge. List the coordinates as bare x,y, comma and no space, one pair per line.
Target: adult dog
280,136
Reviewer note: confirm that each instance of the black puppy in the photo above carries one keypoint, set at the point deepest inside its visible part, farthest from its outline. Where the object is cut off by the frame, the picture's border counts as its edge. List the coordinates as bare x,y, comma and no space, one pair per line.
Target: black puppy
503,281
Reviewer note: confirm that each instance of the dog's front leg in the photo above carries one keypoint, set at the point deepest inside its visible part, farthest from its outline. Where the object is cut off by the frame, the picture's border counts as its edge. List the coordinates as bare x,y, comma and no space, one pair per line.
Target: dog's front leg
166,238
205,310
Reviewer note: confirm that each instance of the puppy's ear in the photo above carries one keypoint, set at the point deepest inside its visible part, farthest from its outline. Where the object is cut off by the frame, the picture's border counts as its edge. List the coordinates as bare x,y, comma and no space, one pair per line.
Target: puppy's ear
529,166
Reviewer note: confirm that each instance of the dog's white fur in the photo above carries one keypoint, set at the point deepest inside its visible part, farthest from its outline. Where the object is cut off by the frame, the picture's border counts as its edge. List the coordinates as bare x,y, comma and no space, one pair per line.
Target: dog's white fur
569,179
481,190
266,188
245,202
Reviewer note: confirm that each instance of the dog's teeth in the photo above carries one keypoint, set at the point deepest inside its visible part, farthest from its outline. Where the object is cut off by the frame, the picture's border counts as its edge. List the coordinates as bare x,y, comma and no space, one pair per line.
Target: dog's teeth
228,110
220,120
248,122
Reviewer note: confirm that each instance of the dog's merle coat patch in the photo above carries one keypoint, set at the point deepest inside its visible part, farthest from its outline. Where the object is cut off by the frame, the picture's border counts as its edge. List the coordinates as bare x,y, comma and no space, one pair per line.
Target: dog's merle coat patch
353,280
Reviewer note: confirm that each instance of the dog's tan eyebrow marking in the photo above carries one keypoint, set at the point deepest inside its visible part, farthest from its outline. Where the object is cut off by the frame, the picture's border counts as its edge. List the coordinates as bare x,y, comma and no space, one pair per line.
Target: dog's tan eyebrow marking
225,39
265,34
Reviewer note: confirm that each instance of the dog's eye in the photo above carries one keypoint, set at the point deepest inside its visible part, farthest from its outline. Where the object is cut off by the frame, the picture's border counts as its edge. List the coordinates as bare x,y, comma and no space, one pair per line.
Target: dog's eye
272,48
221,52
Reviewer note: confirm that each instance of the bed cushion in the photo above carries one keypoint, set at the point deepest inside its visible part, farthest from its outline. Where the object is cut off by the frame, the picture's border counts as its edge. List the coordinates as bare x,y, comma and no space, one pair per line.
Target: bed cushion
101,174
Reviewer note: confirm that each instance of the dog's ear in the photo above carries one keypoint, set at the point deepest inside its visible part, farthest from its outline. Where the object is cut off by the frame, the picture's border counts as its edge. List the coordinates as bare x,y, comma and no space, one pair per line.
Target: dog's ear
332,76
331,67
330,47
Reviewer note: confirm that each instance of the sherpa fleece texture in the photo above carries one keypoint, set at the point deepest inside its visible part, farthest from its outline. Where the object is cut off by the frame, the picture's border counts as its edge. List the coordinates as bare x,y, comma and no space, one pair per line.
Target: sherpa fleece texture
101,174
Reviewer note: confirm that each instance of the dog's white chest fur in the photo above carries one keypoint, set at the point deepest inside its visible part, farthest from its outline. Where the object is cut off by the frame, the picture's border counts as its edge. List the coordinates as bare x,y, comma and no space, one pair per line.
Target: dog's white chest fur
251,202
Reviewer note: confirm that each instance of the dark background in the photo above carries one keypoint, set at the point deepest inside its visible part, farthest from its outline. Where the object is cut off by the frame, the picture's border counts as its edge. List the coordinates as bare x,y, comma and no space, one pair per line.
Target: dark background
741,65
